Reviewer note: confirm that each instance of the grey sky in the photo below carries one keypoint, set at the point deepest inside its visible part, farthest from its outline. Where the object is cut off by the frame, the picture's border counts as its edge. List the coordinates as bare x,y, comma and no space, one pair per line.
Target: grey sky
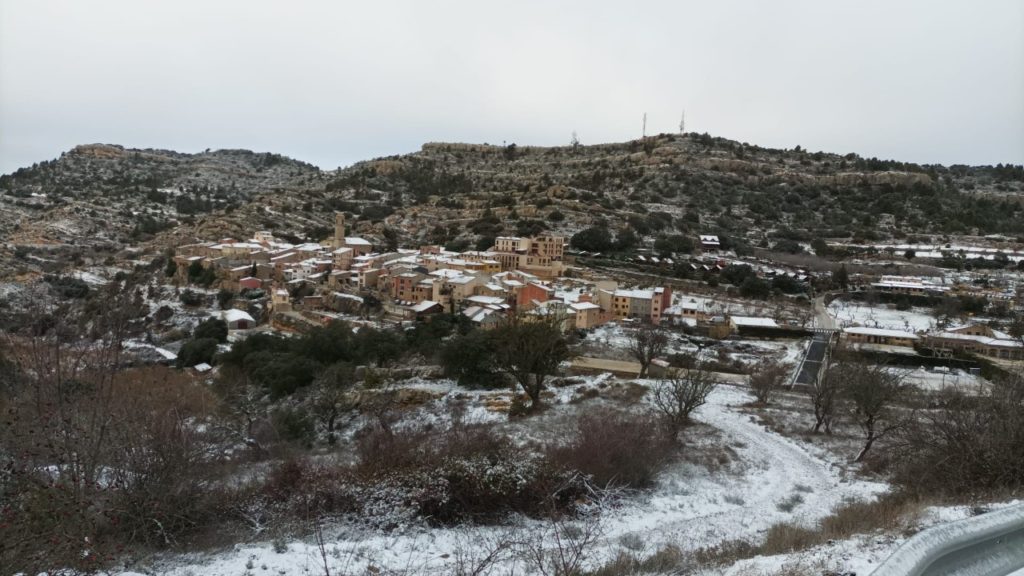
336,82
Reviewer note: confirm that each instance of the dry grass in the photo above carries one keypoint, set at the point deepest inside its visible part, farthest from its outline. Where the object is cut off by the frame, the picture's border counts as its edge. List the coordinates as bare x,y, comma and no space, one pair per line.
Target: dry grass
886,514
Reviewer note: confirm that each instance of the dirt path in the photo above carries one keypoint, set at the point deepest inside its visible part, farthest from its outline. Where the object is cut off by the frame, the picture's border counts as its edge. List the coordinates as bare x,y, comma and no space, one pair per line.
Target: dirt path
822,318
774,480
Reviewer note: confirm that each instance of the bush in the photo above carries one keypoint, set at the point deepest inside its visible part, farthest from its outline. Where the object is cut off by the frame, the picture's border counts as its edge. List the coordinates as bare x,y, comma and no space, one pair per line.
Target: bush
197,351
68,286
212,328
224,298
191,298
617,449
467,473
469,360
281,373
766,378
293,424
593,239
968,445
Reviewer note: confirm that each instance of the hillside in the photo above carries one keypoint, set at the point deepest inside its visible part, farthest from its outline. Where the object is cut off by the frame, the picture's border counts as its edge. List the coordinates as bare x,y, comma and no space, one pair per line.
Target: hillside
95,200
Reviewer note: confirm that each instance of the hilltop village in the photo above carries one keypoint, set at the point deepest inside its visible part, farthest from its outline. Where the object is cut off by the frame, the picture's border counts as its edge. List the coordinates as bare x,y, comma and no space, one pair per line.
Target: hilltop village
291,287
345,275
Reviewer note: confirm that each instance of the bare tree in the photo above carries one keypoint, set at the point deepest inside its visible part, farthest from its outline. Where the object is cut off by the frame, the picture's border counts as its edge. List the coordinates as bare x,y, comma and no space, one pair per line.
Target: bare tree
682,392
647,342
530,351
766,378
873,391
824,396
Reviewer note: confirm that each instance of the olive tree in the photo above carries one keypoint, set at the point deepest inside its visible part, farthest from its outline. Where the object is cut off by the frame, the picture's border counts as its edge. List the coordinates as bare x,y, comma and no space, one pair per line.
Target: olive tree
529,350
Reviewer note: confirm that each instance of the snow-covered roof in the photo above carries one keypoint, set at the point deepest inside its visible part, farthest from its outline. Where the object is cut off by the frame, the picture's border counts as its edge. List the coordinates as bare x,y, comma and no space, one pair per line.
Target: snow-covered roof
356,241
583,306
423,306
641,294
754,321
234,315
985,340
479,299
202,367
910,285
446,273
348,296
708,239
461,280
880,332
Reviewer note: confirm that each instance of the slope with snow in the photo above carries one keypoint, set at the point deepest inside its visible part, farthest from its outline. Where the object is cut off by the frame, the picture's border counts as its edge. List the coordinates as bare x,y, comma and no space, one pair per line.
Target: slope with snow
770,479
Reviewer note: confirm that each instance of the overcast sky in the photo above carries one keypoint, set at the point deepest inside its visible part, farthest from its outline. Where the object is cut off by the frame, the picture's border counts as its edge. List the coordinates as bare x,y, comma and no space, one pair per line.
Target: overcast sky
336,82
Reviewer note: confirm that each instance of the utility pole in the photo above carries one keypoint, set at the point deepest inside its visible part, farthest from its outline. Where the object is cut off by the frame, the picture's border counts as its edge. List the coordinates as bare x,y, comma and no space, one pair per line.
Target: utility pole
644,132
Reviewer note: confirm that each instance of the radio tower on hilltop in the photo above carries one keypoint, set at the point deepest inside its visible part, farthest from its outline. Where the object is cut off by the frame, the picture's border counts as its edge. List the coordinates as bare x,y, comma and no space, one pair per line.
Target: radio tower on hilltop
682,124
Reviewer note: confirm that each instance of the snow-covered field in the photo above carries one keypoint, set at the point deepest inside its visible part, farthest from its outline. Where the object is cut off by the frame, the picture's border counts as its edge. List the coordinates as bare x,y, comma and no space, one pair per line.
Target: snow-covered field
692,506
880,316
615,337
942,379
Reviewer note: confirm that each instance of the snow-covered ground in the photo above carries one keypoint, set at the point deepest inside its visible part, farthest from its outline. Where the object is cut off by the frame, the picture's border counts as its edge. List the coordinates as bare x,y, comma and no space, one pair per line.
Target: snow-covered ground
691,507
859,555
881,316
942,379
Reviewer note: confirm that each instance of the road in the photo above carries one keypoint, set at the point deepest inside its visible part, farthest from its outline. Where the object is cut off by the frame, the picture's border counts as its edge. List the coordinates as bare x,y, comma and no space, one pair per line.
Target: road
989,544
997,556
821,315
813,358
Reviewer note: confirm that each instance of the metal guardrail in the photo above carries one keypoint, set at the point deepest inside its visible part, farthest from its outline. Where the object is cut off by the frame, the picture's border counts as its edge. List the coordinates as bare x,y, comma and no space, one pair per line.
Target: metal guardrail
991,544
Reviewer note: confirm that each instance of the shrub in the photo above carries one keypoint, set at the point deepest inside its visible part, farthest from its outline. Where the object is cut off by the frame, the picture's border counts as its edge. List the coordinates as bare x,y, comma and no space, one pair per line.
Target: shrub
617,449
766,378
224,298
593,239
969,444
197,352
68,287
214,328
469,360
191,298
293,424
280,372
467,473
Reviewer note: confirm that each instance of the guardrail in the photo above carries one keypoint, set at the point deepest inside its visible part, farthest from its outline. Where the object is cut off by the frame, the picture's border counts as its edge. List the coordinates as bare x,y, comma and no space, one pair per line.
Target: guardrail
991,544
